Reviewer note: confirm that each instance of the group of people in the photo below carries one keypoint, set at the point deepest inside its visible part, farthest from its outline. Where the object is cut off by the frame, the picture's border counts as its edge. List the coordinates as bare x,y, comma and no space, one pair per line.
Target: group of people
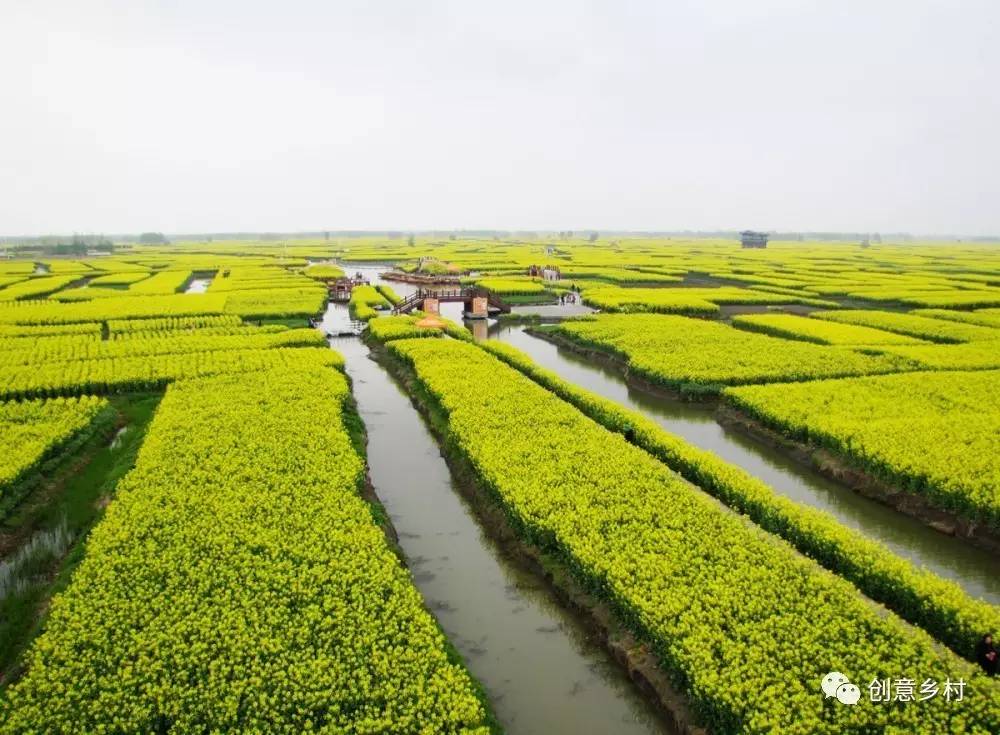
986,655
567,298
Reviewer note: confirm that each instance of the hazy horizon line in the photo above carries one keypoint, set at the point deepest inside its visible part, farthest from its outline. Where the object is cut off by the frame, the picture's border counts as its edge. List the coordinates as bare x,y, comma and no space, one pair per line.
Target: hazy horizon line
582,233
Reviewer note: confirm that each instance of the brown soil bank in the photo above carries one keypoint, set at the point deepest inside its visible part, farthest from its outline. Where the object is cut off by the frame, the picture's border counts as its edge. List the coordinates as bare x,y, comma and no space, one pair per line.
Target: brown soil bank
637,658
844,471
610,359
834,466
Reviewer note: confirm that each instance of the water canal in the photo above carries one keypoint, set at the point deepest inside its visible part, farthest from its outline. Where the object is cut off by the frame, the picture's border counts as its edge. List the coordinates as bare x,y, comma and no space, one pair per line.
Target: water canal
542,671
198,285
974,569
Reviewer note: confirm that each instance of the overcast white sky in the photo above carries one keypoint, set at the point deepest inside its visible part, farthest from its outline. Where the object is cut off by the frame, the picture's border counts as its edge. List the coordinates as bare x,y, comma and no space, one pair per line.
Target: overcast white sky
211,115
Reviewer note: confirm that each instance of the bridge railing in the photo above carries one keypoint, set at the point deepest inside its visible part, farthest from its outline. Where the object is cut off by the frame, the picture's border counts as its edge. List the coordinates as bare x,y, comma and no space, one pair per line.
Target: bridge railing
408,304
450,294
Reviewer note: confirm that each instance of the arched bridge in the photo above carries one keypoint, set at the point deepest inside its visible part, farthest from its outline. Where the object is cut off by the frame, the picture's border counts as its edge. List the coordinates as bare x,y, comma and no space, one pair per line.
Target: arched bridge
479,302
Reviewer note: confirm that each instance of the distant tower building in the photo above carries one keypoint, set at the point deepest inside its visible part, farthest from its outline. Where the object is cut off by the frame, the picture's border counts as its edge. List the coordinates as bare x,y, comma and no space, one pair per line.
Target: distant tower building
753,239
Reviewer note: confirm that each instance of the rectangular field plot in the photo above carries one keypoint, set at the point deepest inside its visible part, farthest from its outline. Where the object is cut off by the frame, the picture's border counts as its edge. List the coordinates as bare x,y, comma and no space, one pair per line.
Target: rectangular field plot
149,372
669,300
681,352
933,433
239,583
983,355
983,317
46,351
33,431
692,577
821,332
936,330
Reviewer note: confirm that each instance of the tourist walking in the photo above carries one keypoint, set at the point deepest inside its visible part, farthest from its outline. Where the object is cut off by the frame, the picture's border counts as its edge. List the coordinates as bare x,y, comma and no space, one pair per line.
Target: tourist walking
986,655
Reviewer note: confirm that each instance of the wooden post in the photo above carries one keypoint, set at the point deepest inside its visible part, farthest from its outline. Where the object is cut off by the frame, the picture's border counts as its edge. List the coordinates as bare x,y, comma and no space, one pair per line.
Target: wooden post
479,307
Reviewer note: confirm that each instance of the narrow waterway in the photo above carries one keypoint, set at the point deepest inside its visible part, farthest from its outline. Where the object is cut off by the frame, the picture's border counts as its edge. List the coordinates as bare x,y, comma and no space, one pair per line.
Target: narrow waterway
542,671
198,285
975,570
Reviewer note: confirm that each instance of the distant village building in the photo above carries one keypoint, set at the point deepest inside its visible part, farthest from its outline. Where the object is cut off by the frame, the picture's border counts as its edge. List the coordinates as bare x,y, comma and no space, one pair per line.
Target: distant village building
751,239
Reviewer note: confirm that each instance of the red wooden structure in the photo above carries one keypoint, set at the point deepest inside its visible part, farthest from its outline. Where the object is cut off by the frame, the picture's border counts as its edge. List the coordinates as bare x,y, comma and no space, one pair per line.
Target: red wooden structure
468,296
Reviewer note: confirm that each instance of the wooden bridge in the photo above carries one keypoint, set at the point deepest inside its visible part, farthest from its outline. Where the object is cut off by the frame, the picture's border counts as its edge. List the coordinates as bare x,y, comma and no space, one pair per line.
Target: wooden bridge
478,301
340,288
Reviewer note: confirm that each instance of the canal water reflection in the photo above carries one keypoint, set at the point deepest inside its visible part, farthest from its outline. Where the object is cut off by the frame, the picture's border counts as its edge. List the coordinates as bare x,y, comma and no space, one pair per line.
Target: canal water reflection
542,671
977,571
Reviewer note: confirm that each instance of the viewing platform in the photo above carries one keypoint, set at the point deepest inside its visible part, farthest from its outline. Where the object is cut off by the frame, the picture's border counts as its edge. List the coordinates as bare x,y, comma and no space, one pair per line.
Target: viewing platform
340,289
